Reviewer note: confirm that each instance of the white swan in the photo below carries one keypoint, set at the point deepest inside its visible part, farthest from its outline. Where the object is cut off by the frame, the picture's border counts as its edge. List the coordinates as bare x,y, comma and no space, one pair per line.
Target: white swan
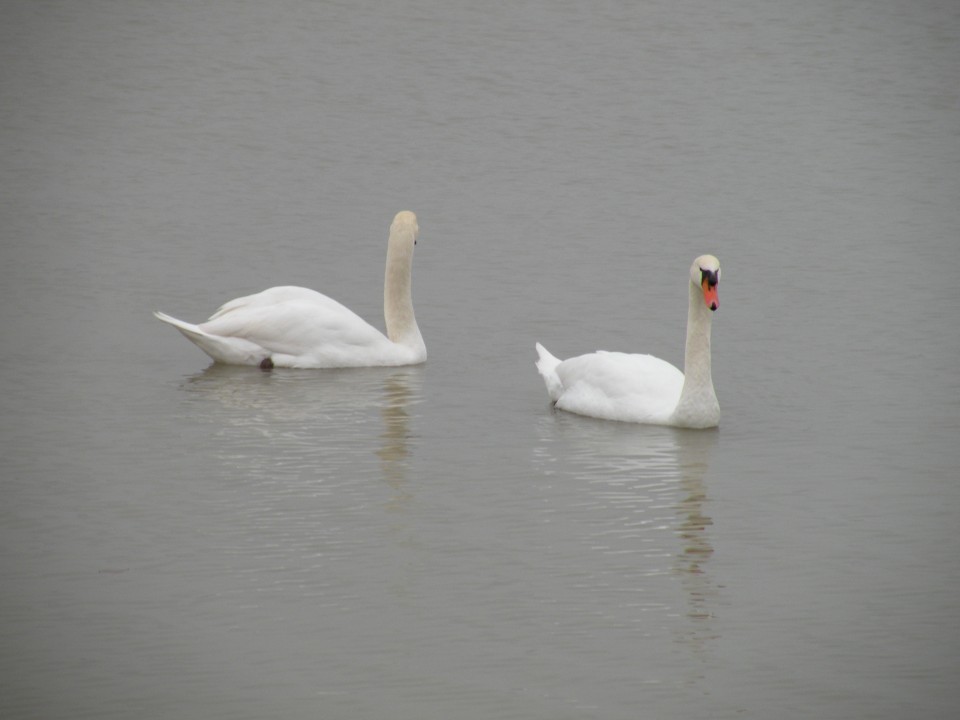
300,328
642,388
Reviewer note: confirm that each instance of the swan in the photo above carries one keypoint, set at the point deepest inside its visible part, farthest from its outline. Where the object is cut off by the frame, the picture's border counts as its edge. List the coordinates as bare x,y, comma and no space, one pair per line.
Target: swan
643,388
297,327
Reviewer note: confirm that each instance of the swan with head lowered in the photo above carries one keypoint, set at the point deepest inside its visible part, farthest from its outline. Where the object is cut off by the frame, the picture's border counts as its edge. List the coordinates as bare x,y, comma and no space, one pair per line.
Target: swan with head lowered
296,327
642,388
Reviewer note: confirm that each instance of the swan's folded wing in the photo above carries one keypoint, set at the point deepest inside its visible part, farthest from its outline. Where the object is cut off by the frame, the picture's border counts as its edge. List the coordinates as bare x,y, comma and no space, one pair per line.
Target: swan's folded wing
302,325
620,386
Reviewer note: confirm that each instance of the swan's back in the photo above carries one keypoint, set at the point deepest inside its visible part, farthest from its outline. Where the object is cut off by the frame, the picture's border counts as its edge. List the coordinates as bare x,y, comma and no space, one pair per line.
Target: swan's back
620,386
280,294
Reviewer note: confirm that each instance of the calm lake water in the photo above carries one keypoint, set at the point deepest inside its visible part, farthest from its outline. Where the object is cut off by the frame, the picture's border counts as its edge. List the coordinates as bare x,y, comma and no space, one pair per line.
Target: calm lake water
186,541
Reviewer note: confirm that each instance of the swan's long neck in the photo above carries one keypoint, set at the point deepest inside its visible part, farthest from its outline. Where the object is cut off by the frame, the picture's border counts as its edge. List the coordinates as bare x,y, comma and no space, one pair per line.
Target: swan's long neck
698,406
397,293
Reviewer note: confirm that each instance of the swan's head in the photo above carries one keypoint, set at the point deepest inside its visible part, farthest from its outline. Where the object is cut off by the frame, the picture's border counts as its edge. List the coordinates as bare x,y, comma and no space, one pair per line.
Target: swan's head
705,274
404,228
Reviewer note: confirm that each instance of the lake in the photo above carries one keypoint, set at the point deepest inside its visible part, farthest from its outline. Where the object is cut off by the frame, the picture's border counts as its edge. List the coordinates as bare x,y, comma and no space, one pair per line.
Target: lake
181,540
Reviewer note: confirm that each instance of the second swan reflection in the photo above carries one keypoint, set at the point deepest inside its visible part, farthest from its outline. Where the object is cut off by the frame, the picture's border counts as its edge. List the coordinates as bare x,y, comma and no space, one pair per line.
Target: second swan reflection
635,501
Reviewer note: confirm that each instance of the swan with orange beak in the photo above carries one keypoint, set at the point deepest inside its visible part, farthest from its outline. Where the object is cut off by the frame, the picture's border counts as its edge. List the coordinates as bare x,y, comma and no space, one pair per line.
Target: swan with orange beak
643,388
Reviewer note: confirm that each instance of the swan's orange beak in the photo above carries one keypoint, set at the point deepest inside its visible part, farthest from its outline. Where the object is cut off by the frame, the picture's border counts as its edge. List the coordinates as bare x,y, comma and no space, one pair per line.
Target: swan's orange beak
710,295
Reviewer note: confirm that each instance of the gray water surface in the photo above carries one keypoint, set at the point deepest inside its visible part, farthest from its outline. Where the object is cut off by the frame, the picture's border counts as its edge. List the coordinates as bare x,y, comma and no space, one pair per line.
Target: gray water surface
185,541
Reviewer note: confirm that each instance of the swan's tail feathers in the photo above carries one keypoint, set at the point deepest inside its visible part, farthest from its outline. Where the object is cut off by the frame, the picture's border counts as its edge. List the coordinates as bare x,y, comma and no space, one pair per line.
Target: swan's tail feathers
547,367
234,351
186,328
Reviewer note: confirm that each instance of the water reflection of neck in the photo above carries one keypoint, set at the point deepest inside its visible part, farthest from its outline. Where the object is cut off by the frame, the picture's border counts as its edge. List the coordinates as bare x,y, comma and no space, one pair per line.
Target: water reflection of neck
394,450
695,546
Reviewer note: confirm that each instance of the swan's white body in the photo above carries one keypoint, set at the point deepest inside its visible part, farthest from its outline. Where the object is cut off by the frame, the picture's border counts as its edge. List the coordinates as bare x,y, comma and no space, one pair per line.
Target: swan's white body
642,388
300,328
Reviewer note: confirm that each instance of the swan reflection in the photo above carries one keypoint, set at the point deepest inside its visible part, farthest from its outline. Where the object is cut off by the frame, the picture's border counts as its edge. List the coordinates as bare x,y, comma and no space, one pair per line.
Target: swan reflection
336,426
399,394
639,494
